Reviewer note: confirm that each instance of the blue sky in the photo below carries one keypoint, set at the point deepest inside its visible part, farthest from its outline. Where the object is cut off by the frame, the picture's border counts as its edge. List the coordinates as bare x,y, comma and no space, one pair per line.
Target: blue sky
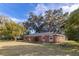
19,11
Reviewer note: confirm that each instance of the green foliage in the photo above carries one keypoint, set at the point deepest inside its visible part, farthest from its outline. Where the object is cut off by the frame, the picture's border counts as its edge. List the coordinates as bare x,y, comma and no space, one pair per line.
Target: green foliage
51,21
11,30
72,25
27,32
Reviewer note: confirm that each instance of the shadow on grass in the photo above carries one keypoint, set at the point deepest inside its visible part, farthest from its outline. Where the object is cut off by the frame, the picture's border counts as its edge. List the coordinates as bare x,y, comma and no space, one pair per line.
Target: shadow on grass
44,50
64,48
24,50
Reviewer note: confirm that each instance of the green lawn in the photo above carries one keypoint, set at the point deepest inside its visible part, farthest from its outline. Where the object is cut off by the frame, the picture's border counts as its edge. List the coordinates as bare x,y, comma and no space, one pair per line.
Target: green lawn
47,49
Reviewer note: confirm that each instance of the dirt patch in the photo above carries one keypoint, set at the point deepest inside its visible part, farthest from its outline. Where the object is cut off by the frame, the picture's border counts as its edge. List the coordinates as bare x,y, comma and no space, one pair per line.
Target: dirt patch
14,43
12,48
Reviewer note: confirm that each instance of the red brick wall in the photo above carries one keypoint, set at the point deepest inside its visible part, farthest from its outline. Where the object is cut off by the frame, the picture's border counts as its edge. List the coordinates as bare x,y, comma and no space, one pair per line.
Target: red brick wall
45,38
51,38
59,39
28,38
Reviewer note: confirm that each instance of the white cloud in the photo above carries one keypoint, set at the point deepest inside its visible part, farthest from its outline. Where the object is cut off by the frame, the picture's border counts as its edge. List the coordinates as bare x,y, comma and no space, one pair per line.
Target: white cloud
16,20
66,8
71,8
12,18
40,9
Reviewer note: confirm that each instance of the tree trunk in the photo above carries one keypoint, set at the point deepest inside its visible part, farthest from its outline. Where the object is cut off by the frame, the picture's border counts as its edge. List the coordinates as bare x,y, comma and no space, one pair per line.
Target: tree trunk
15,39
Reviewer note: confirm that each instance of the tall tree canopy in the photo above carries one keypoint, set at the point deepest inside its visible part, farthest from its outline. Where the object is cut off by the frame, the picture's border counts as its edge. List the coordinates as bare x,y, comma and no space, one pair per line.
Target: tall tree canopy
10,28
51,21
72,25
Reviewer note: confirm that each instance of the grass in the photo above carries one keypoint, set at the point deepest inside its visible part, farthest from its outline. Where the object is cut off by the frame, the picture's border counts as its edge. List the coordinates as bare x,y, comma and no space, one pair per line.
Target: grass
66,48
13,48
3,40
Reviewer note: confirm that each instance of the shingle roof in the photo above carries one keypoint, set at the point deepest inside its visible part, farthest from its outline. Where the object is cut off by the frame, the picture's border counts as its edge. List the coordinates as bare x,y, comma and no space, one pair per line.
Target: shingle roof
41,34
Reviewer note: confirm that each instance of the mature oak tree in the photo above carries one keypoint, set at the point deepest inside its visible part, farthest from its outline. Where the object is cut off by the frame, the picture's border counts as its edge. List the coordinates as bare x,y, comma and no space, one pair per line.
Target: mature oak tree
51,21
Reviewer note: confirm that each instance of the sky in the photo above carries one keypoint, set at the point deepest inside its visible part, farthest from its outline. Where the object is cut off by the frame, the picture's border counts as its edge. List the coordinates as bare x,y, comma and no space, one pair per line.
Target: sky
19,12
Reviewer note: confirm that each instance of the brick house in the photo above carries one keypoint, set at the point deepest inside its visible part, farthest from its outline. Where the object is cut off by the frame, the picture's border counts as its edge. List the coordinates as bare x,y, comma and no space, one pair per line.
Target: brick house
45,37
